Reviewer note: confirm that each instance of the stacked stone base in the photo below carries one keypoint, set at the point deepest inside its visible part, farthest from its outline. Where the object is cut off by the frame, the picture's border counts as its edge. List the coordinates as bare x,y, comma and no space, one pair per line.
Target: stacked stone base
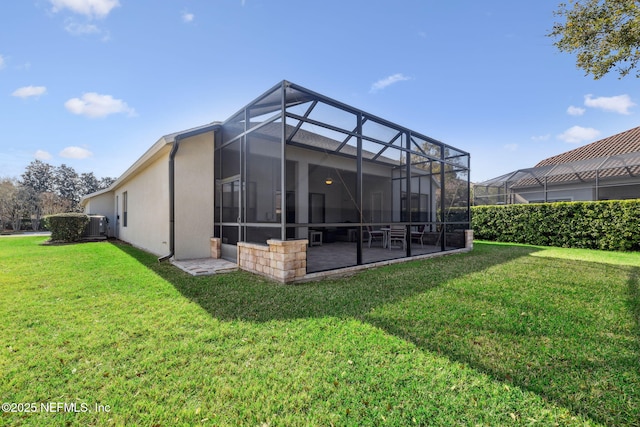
215,247
286,261
283,261
468,239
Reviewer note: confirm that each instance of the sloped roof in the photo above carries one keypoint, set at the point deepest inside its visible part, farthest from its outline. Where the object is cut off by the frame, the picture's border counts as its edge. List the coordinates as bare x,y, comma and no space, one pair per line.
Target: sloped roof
163,142
621,143
612,157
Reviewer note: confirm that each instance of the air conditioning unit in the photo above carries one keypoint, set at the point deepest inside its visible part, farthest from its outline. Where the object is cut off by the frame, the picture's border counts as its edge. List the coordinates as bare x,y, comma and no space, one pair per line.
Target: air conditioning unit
97,227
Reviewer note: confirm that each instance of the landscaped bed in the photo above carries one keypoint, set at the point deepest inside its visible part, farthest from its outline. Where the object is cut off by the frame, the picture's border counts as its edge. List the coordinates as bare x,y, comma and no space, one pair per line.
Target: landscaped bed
507,334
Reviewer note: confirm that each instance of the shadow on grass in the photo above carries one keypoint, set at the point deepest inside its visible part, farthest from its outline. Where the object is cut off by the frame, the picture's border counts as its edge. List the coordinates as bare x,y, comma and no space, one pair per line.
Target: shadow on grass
573,341
245,296
551,340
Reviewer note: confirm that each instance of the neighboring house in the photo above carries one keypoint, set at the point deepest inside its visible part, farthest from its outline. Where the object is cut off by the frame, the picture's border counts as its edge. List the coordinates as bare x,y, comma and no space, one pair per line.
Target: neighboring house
608,169
290,166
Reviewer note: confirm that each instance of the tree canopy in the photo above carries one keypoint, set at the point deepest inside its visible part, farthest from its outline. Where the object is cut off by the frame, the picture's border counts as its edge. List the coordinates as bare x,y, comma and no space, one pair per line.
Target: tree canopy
44,190
603,34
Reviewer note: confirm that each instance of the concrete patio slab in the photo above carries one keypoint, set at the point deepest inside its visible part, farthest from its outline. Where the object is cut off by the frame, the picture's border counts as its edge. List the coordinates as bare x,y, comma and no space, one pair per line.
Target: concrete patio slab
205,266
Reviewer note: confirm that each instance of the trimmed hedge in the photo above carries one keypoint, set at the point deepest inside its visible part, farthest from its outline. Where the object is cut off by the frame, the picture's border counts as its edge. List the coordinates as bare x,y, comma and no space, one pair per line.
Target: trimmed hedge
66,227
609,225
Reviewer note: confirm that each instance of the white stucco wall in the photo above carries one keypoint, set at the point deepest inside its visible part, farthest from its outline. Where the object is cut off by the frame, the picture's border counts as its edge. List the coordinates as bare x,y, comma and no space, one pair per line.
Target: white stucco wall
194,193
337,195
148,206
612,189
571,193
146,185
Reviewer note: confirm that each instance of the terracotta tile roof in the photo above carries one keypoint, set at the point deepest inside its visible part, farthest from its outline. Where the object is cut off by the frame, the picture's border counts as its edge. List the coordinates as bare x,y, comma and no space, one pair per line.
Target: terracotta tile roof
622,143
613,157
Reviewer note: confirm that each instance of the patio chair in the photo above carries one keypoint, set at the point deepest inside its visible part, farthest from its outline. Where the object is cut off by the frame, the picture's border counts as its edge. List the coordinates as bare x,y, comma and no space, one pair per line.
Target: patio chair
398,233
374,235
418,235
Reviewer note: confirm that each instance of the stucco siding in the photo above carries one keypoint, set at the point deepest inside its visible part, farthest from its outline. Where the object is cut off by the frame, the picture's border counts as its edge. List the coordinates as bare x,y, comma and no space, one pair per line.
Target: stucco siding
194,192
147,207
572,193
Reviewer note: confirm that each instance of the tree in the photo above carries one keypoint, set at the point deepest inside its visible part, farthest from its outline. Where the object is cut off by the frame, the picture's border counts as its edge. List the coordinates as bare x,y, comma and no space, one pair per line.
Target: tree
32,205
604,34
7,198
16,203
46,190
106,182
53,204
88,183
37,179
20,205
39,176
68,185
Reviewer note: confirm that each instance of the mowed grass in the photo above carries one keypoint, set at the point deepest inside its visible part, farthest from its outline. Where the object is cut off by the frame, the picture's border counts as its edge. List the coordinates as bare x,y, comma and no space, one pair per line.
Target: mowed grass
505,335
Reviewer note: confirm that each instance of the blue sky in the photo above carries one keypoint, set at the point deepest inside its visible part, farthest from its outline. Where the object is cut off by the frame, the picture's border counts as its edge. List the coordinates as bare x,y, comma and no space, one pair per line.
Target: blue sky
94,83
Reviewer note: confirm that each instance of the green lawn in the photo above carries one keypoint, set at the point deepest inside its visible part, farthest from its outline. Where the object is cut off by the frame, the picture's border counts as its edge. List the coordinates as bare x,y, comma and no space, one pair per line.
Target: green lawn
504,335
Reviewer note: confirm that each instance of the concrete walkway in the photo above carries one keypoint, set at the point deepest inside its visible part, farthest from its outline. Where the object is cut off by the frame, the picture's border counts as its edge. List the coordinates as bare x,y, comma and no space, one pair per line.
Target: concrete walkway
205,266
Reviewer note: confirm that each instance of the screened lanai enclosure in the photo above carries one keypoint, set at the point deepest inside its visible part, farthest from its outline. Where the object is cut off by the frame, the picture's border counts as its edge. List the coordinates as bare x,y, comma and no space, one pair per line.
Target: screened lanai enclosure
603,178
294,164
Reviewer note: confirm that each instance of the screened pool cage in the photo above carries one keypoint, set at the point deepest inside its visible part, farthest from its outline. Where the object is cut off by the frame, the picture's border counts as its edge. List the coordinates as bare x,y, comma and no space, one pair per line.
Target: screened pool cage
605,178
294,164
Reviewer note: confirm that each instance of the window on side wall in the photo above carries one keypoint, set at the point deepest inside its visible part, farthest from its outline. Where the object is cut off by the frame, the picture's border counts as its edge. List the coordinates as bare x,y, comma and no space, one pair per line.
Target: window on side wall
125,208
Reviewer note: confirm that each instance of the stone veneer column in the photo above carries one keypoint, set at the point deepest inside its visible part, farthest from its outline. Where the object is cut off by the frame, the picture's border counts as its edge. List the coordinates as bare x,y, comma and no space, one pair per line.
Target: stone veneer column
468,239
282,260
215,248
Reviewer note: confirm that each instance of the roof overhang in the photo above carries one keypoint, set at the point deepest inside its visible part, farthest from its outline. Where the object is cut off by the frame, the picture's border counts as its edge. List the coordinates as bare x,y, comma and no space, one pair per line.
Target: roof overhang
151,154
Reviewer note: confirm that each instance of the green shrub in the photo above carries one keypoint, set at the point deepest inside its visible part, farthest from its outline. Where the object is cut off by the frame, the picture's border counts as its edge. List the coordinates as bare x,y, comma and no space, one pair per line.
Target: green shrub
66,227
608,225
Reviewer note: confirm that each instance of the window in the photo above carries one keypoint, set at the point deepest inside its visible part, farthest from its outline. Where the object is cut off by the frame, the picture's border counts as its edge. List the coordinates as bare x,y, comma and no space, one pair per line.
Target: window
124,208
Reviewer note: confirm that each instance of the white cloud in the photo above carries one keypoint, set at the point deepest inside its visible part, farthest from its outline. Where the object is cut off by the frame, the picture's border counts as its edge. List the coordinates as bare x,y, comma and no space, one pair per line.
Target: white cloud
42,155
617,104
511,147
187,17
95,105
541,137
578,134
387,81
575,111
29,91
79,29
89,8
75,153
2,62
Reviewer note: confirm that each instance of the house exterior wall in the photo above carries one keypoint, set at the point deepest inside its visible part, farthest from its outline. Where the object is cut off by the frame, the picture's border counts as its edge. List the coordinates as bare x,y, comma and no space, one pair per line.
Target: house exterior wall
304,160
627,191
614,189
608,189
103,204
164,203
147,206
574,193
194,195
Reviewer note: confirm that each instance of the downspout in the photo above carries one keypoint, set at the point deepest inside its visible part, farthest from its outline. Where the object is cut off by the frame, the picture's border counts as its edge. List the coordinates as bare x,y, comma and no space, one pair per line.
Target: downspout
172,200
